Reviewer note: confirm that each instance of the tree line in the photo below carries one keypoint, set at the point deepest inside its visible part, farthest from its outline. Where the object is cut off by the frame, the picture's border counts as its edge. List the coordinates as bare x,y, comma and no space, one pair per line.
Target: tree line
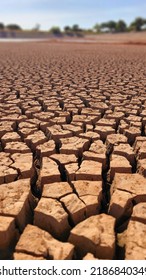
111,26
120,26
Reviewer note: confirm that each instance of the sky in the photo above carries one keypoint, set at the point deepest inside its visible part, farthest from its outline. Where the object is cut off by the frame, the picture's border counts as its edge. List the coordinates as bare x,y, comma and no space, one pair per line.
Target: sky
85,13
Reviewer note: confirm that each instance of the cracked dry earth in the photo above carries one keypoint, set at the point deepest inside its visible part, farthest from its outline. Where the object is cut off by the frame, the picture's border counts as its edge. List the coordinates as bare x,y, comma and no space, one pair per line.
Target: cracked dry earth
72,151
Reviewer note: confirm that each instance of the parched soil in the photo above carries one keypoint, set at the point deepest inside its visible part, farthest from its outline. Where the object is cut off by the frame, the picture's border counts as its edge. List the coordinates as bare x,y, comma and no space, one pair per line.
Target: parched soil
136,38
72,151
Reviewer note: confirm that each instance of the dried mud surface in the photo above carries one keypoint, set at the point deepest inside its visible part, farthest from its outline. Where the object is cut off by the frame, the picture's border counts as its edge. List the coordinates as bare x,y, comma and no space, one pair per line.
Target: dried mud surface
72,151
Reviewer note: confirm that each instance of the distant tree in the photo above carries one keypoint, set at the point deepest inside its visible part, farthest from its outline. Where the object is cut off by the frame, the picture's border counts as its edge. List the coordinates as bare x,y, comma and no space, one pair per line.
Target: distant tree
111,25
2,25
97,27
121,26
103,25
75,28
13,27
137,24
68,30
55,30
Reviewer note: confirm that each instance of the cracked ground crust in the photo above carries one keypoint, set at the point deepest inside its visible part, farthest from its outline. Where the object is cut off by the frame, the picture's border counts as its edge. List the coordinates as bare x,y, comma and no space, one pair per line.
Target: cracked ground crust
73,121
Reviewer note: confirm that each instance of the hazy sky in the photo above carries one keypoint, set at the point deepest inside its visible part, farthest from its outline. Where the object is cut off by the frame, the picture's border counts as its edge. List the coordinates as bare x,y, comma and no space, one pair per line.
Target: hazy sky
48,13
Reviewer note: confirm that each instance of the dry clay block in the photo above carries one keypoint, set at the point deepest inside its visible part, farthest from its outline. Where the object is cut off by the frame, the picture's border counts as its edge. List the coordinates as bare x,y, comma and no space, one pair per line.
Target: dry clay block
76,130
134,235
63,159
135,243
56,132
126,151
139,212
8,235
95,235
25,132
23,163
131,133
6,127
70,171
27,125
113,140
51,216
126,190
97,152
67,165
56,190
17,201
16,147
75,207
90,192
40,244
10,136
49,172
74,145
141,150
35,139
141,167
46,149
90,135
103,131
96,157
90,170
106,122
139,141
98,147
118,164
7,172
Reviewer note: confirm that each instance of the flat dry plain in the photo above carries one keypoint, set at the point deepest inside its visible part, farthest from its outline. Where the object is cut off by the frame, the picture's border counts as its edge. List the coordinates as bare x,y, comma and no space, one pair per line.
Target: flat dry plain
72,151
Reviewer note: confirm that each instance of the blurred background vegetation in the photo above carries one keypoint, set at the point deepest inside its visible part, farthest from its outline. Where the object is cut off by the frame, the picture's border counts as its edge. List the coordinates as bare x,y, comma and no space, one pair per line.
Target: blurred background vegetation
137,25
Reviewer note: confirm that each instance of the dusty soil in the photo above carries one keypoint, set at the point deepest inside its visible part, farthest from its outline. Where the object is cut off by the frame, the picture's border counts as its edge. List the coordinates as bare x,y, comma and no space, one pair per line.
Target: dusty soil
72,151
121,38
